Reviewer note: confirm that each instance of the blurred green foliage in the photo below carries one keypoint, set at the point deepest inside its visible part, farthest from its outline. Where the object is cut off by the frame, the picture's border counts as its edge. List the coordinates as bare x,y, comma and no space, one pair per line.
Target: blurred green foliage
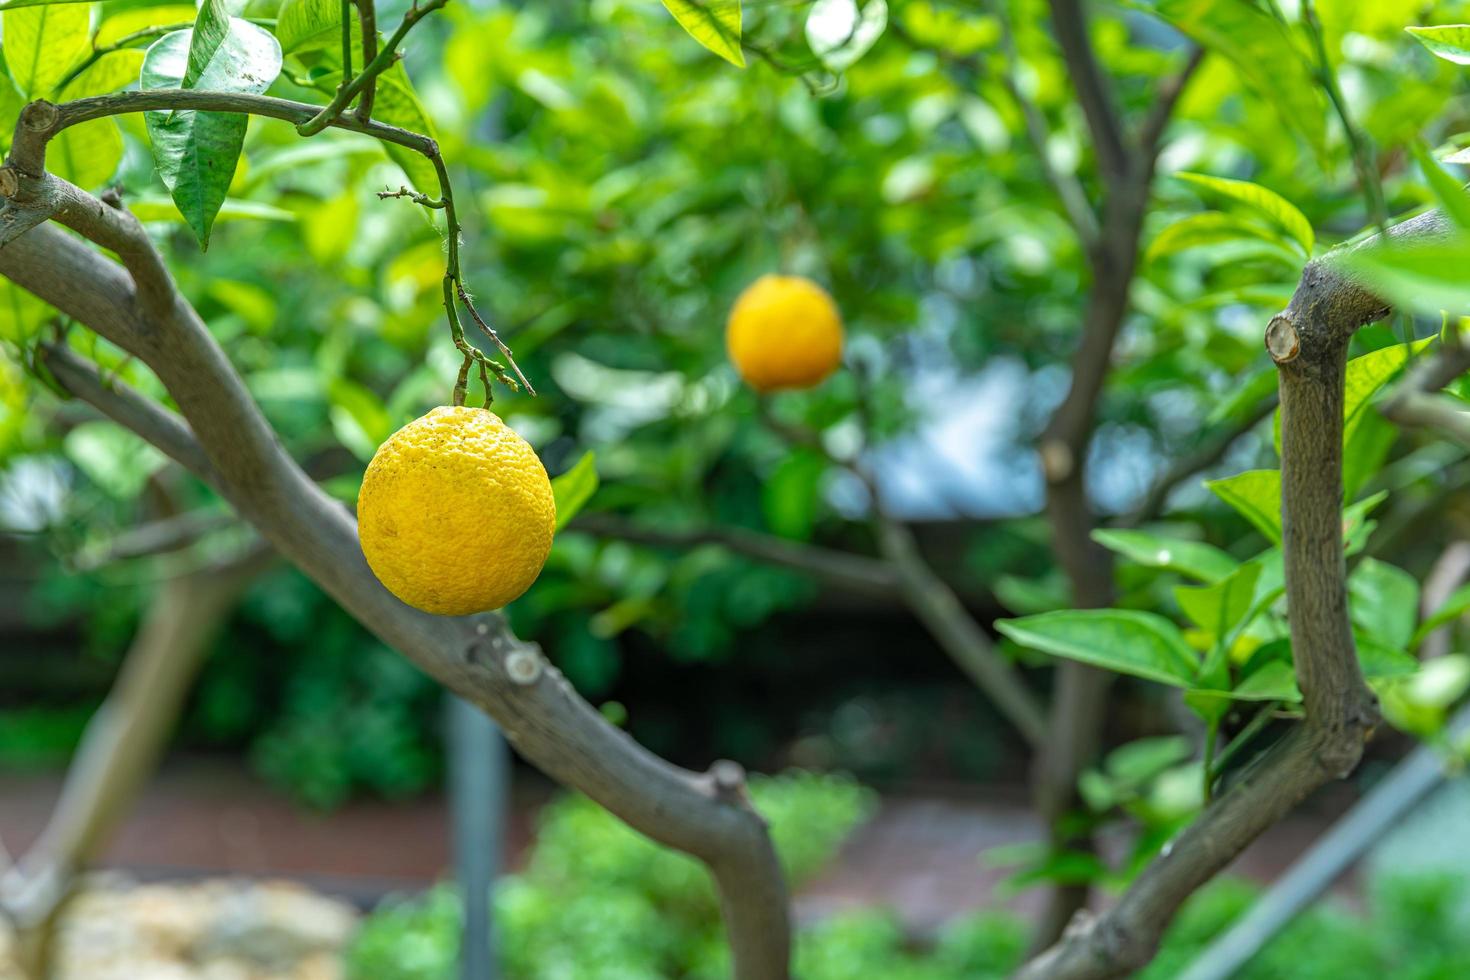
598,900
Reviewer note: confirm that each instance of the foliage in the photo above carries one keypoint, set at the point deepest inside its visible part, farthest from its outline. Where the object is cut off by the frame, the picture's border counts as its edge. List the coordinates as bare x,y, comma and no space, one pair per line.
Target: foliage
596,900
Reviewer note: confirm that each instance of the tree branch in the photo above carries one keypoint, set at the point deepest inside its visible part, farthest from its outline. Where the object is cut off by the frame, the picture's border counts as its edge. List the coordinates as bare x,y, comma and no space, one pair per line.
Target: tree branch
855,573
379,63
1309,343
930,598
1094,91
1211,448
476,657
121,744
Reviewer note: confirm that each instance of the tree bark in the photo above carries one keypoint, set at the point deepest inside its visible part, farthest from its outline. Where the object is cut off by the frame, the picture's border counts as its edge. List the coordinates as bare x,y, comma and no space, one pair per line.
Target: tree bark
1309,343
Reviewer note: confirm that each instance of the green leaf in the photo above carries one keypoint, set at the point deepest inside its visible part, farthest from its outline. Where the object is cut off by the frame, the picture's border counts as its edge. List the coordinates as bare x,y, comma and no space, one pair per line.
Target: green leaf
1420,276
1440,682
119,25
43,44
1454,607
196,152
574,488
88,154
150,208
1449,192
713,23
18,4
1378,659
1244,396
1193,558
211,28
790,495
312,29
1272,681
112,72
1220,607
1121,640
1384,601
1210,228
1256,494
1265,54
303,25
1264,201
359,419
1448,41
839,33
113,458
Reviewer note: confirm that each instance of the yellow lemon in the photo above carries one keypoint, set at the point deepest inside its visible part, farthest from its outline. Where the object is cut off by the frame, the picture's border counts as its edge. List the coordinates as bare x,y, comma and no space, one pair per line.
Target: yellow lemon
784,332
456,514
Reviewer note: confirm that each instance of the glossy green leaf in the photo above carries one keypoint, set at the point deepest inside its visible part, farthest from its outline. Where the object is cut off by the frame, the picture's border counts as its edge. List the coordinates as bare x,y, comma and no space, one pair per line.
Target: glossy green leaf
211,29
1122,640
574,488
1422,276
1263,201
1220,607
1448,41
1210,228
43,44
196,152
1196,559
1384,600
839,33
1273,681
713,23
1256,495
1265,54
1448,191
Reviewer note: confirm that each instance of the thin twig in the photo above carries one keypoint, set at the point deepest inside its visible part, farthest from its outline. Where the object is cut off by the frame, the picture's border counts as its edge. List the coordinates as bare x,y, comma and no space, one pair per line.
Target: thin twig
489,331
367,19
384,60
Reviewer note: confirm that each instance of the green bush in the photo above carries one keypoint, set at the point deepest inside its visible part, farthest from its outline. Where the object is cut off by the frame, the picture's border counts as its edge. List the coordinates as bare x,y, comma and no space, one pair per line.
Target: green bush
598,900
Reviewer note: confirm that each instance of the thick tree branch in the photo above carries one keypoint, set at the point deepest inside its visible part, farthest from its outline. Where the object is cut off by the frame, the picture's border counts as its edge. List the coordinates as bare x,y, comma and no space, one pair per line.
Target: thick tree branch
1309,343
855,573
476,657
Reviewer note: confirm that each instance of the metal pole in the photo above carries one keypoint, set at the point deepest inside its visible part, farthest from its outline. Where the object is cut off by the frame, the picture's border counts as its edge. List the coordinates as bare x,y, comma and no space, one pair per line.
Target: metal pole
478,794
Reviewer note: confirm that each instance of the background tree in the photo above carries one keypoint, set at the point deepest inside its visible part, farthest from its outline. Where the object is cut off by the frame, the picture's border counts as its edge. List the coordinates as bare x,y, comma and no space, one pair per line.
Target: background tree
959,177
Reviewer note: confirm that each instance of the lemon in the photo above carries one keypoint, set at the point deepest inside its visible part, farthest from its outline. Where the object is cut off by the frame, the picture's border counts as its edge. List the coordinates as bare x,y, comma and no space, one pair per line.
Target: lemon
456,514
784,332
